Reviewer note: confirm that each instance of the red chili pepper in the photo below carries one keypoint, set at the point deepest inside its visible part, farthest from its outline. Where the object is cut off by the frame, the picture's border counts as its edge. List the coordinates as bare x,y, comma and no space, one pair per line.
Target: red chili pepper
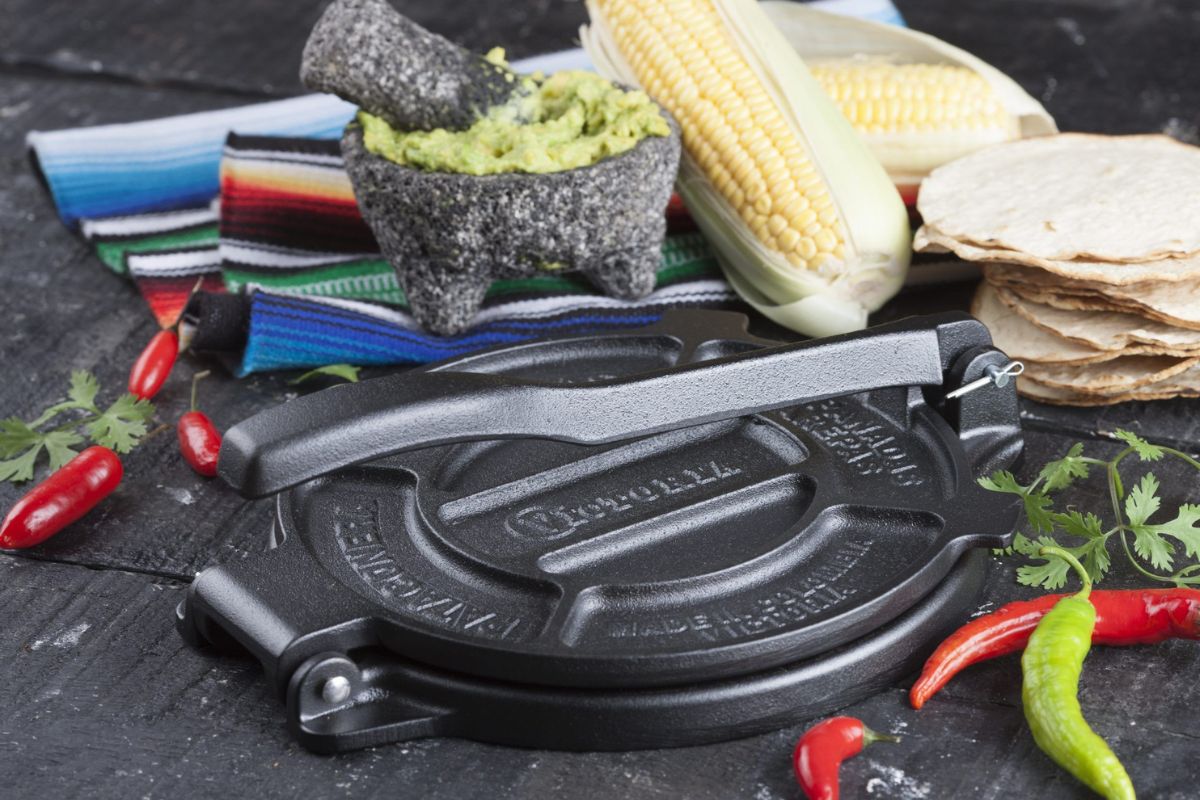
198,437
1123,617
153,366
62,498
823,748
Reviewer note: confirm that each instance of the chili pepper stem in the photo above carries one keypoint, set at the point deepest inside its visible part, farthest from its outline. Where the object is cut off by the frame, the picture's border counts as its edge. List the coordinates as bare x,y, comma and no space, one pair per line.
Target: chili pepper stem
1074,562
157,430
871,737
199,376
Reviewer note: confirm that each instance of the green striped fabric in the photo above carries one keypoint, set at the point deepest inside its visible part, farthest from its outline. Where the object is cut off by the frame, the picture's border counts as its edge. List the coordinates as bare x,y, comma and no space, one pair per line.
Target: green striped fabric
684,257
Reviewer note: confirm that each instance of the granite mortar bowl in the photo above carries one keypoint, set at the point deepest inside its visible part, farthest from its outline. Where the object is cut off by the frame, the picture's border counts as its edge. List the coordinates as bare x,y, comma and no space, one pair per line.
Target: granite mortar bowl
449,235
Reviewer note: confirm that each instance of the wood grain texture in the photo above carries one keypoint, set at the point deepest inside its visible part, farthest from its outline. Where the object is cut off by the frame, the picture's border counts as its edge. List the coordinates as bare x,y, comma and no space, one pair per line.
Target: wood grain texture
103,698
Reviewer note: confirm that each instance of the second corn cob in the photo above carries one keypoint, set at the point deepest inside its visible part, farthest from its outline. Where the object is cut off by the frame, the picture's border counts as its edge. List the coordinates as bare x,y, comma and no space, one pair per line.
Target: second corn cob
916,116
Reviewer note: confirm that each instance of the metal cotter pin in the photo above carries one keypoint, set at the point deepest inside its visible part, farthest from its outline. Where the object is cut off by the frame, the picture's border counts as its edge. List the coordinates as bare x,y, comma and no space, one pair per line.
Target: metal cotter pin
997,376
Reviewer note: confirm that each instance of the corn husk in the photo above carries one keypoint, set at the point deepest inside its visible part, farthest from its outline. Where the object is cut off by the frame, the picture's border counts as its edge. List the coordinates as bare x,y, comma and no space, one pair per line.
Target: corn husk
838,298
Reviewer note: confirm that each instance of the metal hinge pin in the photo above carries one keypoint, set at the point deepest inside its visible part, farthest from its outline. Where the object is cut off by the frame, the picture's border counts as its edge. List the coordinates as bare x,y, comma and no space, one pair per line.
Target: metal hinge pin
996,376
336,690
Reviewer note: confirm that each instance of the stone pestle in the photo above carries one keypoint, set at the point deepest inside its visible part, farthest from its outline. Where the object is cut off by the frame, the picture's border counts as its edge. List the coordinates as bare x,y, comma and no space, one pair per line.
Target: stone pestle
366,52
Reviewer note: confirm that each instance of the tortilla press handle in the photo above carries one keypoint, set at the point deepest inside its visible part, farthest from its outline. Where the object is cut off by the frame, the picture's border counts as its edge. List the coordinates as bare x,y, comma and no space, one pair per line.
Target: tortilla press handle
353,423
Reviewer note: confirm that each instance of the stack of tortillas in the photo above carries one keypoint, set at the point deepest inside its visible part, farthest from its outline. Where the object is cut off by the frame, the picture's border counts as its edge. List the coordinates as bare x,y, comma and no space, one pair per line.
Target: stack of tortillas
1090,248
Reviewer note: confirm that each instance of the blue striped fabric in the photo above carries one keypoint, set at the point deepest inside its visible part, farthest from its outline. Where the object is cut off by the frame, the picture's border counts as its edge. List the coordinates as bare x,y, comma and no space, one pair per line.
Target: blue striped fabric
287,331
166,164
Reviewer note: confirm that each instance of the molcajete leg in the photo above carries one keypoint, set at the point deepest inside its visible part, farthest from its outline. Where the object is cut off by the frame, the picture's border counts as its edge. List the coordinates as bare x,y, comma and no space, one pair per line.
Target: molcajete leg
443,301
628,274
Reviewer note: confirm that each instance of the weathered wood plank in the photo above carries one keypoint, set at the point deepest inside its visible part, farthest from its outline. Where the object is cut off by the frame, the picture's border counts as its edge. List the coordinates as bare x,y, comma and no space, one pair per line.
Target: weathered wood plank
103,699
247,46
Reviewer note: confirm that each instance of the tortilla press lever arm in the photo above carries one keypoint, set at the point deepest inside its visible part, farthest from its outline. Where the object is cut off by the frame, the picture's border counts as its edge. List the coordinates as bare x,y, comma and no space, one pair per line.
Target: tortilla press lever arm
353,423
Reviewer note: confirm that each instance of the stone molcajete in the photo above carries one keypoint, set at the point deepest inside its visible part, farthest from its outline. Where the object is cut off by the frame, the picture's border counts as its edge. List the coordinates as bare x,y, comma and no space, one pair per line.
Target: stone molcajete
449,235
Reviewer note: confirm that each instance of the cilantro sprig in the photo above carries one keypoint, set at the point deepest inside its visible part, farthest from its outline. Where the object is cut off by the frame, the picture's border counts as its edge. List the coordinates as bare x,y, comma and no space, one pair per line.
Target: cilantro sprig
1156,546
118,426
347,372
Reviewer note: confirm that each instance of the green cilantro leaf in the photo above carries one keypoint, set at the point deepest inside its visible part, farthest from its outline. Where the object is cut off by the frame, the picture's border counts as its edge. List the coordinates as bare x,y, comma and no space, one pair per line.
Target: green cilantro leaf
1054,570
121,425
1140,505
1152,547
1094,557
16,437
84,388
1145,450
20,468
1062,473
347,372
21,445
1050,574
1025,546
1037,504
1142,501
1185,528
1038,511
1002,481
60,446
1087,526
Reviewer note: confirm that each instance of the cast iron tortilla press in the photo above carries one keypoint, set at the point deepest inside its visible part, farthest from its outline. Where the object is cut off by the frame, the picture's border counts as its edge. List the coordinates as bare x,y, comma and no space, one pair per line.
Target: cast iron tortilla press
669,536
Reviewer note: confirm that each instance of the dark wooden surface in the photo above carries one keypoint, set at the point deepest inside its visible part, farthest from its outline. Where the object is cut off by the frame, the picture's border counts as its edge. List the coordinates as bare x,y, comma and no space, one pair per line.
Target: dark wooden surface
102,699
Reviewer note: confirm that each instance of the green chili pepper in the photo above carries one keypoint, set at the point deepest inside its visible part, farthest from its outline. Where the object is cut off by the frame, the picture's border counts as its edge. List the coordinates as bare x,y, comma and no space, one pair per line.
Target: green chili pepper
1051,665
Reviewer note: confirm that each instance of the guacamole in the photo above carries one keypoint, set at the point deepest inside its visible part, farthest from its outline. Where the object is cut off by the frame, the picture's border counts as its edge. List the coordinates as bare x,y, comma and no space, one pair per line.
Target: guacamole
572,119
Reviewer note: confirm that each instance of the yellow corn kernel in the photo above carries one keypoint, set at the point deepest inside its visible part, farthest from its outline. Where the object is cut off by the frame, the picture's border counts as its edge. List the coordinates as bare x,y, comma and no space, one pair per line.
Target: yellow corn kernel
908,98
681,51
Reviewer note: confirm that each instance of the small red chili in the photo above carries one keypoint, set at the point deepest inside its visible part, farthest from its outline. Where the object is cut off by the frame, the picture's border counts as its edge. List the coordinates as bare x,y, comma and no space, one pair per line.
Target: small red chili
62,498
1123,617
198,437
152,367
823,748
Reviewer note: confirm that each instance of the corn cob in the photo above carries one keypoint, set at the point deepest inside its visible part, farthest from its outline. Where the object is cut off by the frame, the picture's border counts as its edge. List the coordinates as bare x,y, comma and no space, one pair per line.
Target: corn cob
877,97
915,117
818,215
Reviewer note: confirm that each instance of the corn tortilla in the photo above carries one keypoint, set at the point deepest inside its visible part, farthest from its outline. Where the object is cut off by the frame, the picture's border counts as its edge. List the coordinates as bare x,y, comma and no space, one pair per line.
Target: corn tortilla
1063,397
1072,196
1115,376
1175,304
929,239
1024,341
1102,330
